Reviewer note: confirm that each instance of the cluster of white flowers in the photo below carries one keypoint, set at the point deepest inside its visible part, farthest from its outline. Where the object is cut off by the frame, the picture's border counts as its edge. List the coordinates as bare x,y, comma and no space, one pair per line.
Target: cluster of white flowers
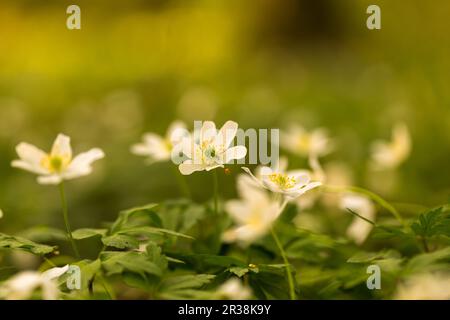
263,195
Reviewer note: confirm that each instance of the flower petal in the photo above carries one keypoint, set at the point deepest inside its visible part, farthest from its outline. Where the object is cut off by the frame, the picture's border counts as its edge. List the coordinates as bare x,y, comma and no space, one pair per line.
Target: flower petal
226,134
50,180
30,158
234,153
61,147
81,164
208,131
187,167
55,272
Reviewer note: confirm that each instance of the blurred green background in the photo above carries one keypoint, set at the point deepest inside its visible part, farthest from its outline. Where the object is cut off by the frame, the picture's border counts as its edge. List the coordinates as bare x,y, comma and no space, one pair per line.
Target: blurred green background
137,65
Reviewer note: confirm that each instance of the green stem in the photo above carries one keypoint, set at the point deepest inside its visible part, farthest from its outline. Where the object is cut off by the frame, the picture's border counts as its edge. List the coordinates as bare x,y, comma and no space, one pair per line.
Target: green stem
425,244
216,192
66,219
369,194
286,262
182,184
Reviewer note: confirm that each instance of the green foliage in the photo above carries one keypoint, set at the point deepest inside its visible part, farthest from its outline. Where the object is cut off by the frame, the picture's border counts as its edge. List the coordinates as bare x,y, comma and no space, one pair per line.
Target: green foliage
11,242
433,223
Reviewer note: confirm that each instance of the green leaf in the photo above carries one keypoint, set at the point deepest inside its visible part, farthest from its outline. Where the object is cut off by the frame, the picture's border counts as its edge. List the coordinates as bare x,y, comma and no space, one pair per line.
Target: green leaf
120,241
145,230
155,255
85,233
185,287
124,216
10,242
239,271
429,261
367,257
136,262
432,223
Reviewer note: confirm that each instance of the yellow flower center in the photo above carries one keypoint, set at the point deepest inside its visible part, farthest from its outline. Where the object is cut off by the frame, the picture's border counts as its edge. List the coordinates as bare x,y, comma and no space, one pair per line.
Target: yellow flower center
283,181
56,163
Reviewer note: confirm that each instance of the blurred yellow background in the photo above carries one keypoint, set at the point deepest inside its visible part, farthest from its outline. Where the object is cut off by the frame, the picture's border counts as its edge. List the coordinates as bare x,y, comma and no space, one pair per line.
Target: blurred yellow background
137,65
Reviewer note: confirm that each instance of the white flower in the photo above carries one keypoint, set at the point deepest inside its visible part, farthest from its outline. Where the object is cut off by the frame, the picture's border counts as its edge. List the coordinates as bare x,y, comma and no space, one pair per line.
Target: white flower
158,148
359,229
23,285
390,154
233,289
1,213
425,287
254,214
59,164
301,142
291,184
209,148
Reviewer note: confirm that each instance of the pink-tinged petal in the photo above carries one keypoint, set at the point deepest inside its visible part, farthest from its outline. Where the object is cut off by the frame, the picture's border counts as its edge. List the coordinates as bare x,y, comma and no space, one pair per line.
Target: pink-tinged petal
234,153
61,147
50,180
187,167
226,134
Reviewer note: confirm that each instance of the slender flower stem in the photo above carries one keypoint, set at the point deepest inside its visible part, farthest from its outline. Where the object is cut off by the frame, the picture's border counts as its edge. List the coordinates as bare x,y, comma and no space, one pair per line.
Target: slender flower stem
286,262
216,192
369,194
66,219
184,188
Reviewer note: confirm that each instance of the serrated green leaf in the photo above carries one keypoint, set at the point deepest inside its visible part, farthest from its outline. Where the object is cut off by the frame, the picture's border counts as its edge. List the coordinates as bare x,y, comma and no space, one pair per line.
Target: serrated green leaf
11,242
145,230
239,271
85,233
432,223
120,241
136,262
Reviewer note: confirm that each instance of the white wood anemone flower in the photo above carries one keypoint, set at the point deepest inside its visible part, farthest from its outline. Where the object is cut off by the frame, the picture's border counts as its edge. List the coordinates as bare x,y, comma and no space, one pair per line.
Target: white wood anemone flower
209,148
24,284
254,214
359,229
157,148
291,184
233,289
58,165
305,143
390,154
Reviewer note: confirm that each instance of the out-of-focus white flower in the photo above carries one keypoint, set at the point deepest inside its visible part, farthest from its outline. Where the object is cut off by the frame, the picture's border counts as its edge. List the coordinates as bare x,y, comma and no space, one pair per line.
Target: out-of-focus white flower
59,164
425,287
23,285
291,184
209,148
233,289
254,214
1,213
359,229
158,148
301,142
390,154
